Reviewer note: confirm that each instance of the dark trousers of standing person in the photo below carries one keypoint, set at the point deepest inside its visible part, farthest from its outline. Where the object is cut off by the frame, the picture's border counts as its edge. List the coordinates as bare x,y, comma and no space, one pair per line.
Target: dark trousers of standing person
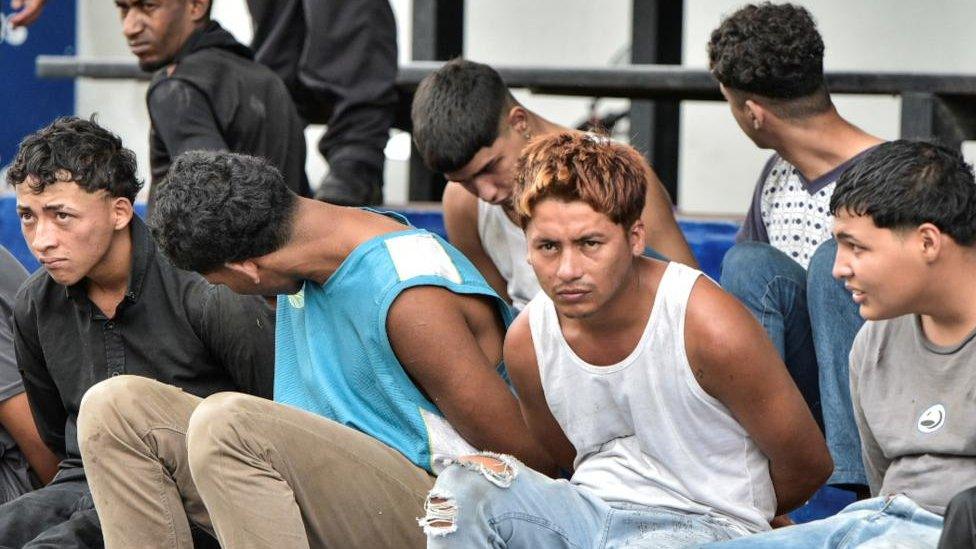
959,529
339,60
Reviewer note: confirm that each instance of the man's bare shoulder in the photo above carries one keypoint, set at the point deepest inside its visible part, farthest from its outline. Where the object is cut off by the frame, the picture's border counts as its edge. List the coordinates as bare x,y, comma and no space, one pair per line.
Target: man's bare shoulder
457,201
722,338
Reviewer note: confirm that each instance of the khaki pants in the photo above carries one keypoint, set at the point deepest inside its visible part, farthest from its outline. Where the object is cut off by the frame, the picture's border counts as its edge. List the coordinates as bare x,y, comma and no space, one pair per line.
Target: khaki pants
255,472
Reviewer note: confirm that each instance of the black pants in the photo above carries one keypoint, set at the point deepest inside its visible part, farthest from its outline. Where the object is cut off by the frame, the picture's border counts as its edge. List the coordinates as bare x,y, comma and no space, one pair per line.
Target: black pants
61,514
959,529
339,60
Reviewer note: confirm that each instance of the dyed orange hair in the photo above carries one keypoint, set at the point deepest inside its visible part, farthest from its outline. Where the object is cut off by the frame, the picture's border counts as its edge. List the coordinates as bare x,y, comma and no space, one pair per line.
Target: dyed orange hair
611,177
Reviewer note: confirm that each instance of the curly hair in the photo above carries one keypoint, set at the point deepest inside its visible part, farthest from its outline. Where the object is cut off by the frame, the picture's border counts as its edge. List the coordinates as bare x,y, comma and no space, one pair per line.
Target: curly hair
774,51
220,207
611,177
456,111
902,184
76,150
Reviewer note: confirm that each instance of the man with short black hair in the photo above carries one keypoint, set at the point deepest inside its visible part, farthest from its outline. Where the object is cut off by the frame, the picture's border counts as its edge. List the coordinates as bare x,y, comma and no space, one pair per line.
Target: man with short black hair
207,91
906,252
388,363
768,59
468,126
108,303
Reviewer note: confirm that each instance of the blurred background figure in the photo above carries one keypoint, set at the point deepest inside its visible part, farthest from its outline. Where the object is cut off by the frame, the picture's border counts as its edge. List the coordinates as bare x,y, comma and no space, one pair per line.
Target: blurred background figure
339,60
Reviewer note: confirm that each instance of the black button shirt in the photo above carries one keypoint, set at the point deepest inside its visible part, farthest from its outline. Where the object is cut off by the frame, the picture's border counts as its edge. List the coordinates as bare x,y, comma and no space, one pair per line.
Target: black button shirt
172,326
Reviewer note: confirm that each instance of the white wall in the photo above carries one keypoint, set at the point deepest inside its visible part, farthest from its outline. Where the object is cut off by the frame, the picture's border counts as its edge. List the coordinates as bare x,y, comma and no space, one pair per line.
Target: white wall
718,165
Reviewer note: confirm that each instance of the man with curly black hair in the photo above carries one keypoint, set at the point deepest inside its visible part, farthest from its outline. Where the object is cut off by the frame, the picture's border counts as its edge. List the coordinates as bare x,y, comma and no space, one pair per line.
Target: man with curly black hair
769,61
108,304
388,361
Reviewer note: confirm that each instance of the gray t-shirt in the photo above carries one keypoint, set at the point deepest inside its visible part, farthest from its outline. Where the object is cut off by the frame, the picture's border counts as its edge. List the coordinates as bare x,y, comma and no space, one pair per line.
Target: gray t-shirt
914,403
14,479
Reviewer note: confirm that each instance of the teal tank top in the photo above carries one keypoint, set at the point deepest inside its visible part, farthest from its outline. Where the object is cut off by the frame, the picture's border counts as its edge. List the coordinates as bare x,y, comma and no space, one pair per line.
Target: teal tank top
333,356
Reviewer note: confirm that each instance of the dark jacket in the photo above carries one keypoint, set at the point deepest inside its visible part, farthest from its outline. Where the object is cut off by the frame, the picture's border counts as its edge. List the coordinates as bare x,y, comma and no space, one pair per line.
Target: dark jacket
219,98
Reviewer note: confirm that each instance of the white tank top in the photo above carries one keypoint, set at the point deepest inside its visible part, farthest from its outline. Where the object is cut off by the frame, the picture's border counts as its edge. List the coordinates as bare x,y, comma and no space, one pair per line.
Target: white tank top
505,244
644,430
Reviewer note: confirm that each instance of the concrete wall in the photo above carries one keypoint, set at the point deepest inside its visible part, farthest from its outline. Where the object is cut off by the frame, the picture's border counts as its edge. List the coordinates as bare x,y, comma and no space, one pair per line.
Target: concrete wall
718,165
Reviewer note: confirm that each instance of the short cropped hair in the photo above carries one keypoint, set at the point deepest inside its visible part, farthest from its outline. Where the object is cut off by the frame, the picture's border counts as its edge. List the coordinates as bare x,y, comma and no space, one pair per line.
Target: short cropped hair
77,150
456,111
902,184
220,207
774,51
610,177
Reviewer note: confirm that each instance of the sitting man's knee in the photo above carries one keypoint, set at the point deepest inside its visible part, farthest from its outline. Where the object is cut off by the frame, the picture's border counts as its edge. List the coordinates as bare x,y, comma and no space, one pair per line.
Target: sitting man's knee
212,423
822,260
468,481
110,401
740,261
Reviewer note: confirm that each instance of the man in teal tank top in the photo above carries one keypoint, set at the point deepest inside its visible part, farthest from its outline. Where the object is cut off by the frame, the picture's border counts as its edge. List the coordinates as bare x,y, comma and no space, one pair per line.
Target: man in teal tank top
388,364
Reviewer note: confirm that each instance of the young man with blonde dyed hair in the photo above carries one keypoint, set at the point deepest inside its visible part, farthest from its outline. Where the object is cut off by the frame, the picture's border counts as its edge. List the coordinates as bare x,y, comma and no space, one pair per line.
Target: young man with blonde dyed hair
659,392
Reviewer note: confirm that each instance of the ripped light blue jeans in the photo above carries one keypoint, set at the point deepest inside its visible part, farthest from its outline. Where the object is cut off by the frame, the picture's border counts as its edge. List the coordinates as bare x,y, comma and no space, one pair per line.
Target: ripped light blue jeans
876,523
472,507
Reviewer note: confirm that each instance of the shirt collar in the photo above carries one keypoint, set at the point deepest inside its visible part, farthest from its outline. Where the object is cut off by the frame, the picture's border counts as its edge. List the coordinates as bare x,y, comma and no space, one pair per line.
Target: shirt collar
143,249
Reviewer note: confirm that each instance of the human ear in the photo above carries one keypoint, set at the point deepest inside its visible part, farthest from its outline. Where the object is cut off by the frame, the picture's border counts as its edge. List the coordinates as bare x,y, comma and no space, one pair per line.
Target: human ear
930,238
518,120
122,213
756,114
636,236
198,9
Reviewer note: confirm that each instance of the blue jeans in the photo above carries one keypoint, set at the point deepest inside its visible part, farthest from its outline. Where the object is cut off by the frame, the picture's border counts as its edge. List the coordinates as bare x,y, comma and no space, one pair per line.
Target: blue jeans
812,321
524,508
877,522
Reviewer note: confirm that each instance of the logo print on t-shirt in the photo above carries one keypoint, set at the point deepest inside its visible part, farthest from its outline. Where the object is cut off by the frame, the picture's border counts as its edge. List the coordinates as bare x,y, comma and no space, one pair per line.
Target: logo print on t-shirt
932,419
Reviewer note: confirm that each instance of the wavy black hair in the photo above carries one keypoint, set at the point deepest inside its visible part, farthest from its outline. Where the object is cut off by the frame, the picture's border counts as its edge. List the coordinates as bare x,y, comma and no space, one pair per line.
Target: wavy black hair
219,207
456,111
771,50
77,150
902,184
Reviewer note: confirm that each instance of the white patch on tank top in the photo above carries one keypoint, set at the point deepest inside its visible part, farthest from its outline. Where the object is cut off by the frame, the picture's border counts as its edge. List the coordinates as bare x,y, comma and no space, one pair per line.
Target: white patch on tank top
446,444
416,255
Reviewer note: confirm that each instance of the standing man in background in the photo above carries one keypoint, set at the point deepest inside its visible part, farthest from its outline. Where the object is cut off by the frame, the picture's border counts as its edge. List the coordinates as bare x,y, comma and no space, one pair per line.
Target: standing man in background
208,92
339,61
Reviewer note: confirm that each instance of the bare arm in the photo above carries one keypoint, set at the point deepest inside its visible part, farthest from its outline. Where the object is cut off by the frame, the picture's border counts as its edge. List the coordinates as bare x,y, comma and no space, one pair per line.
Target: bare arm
736,363
450,346
461,222
523,368
16,418
662,230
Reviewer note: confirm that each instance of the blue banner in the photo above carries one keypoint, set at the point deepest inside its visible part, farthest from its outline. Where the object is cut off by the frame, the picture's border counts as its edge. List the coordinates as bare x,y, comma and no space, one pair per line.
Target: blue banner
27,102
